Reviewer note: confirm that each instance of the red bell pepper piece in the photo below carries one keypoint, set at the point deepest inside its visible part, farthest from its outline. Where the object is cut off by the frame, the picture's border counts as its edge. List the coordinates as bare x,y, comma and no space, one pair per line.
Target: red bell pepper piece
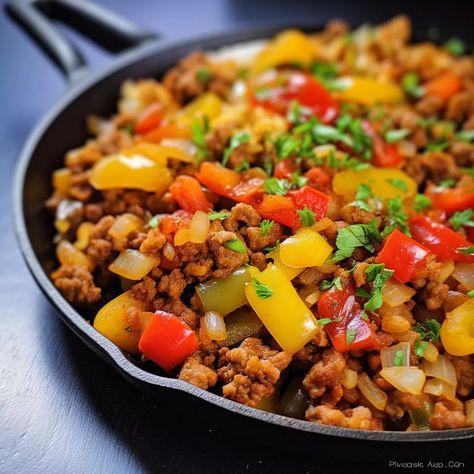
217,178
470,234
441,240
283,169
250,191
283,88
452,199
173,222
187,192
167,340
278,208
444,85
403,255
318,179
384,155
349,331
149,118
311,198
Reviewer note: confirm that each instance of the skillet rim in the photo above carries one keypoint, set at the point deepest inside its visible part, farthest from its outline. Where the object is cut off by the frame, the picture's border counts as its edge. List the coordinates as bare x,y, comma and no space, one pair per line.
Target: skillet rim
99,343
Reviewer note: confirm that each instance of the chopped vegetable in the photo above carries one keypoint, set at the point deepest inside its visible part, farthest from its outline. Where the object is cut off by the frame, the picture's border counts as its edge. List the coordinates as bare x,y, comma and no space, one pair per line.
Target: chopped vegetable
445,85
132,264
353,236
405,379
241,323
457,330
368,91
236,245
188,193
149,118
214,326
453,199
378,398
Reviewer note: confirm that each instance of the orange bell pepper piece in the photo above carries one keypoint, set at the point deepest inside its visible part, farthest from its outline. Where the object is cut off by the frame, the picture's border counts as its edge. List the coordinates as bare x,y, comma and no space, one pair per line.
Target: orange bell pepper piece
444,85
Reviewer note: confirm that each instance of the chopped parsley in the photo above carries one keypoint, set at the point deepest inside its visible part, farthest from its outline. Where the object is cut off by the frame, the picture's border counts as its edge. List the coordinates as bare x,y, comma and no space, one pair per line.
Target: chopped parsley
236,245
276,186
154,222
436,146
242,166
378,274
324,321
462,219
326,74
287,145
203,74
265,226
455,46
306,216
396,217
398,183
364,192
419,348
398,359
393,136
428,330
470,294
198,136
129,128
465,135
298,180
261,290
271,249
422,202
215,215
237,140
411,84
356,235
327,284
466,250
351,335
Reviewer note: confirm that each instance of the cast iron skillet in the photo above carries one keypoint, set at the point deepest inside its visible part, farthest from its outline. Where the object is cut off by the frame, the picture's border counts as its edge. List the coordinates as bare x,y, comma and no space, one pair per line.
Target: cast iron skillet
64,128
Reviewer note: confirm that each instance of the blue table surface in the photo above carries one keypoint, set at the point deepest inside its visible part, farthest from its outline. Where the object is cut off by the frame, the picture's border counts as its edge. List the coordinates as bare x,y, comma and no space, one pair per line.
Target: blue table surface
62,409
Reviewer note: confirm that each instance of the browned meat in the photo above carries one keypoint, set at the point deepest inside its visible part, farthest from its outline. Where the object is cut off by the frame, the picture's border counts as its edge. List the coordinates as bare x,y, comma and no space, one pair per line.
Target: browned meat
75,282
226,260
465,374
446,417
197,373
359,418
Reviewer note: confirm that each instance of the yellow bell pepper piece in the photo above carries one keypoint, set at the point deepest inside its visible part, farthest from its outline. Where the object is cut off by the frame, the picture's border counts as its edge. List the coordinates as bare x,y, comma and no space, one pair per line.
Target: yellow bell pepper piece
160,153
112,322
83,235
289,46
62,180
346,182
283,313
307,248
132,172
207,105
369,91
457,330
289,272
224,295
67,254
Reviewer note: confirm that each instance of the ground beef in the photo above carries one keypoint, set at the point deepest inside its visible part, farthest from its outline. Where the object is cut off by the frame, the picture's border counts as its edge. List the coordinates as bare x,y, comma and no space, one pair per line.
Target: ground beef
99,249
324,378
463,153
460,106
359,418
439,165
145,290
243,153
356,215
360,276
446,417
311,276
172,284
465,374
250,371
178,308
197,373
226,260
257,242
75,282
434,294
242,214
217,140
153,243
429,105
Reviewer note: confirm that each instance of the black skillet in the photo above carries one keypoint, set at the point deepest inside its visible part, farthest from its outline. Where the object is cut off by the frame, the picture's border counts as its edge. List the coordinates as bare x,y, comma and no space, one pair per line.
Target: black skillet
64,128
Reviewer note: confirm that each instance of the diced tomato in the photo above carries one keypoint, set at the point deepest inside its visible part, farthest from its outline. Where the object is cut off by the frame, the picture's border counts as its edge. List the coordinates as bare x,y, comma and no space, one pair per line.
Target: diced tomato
452,199
349,331
444,85
277,90
164,131
250,191
278,208
149,118
318,179
217,178
403,255
167,341
384,155
283,169
441,240
187,192
173,222
311,198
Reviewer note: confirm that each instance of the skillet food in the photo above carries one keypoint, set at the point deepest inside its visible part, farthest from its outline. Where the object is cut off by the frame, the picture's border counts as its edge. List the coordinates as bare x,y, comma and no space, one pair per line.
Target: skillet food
288,224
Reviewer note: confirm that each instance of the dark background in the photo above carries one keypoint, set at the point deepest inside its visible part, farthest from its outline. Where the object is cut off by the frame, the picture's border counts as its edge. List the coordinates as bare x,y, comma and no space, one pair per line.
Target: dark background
62,409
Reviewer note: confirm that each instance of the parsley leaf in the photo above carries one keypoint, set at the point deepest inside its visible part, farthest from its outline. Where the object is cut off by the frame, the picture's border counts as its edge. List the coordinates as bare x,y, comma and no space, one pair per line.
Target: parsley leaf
154,221
396,217
393,136
198,137
462,219
419,347
265,226
470,294
378,274
428,330
364,192
237,140
455,46
351,335
307,216
214,215
262,290
298,180
242,166
356,235
411,84
276,186
203,74
327,284
398,183
465,135
236,245
466,250
324,321
436,146
422,202
398,359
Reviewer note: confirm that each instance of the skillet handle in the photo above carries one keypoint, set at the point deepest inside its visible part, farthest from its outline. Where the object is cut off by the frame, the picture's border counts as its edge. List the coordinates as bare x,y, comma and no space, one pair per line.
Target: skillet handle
109,30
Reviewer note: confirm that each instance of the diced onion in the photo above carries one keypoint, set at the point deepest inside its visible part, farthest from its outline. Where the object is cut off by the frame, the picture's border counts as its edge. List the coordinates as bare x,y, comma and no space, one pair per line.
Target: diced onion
215,326
405,379
199,227
123,225
446,270
240,324
442,369
310,294
68,255
181,237
394,323
389,356
431,352
83,235
439,387
349,378
469,409
395,293
132,264
464,274
378,398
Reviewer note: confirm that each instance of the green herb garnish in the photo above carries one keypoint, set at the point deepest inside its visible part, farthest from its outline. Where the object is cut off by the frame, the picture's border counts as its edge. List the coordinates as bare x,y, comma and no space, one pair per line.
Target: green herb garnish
428,330
356,235
419,348
396,217
470,294
265,226
378,274
462,219
236,245
276,186
398,183
455,46
398,359
327,284
422,202
261,290
216,215
307,216
351,335
237,140
298,180
393,136
411,84
198,137
324,321
203,74
154,222
466,250
465,135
